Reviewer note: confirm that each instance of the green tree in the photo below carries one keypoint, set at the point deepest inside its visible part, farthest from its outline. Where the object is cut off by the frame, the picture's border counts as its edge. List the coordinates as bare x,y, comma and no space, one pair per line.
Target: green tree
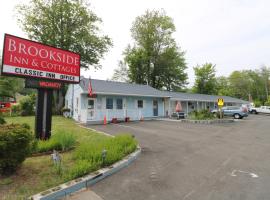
121,73
155,58
67,24
265,75
10,86
223,86
205,79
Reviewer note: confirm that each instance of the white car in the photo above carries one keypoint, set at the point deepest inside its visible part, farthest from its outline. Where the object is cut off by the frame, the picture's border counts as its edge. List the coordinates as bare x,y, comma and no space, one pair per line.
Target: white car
262,109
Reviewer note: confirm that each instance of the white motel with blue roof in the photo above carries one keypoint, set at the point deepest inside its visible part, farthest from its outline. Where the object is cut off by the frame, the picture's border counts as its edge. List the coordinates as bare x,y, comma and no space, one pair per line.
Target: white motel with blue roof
120,100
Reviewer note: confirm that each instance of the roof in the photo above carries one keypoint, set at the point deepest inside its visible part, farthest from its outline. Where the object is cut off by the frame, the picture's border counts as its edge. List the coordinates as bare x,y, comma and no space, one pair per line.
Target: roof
120,88
201,97
131,89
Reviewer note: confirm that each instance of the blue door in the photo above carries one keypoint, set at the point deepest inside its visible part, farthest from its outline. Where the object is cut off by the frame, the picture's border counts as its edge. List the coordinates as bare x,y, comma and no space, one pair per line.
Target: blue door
155,107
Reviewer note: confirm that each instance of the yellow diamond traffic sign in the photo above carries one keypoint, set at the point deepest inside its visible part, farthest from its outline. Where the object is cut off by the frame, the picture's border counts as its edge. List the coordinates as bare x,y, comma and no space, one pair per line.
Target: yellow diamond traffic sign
220,102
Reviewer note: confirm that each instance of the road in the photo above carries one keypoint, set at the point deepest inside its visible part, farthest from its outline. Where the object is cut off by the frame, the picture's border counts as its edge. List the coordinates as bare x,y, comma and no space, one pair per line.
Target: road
193,161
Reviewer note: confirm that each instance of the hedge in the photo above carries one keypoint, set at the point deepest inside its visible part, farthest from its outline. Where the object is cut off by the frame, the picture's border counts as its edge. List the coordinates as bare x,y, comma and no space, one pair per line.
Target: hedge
16,143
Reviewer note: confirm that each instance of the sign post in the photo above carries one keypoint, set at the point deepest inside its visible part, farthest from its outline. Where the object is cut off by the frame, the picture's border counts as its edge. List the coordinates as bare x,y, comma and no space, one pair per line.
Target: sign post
220,103
45,68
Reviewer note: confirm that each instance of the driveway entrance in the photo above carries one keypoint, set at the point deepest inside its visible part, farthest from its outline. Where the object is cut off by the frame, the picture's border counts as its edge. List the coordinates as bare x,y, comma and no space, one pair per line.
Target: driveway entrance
193,162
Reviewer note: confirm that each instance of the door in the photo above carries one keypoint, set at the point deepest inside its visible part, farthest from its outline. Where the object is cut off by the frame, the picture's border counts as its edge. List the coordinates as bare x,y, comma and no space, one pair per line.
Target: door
155,107
91,109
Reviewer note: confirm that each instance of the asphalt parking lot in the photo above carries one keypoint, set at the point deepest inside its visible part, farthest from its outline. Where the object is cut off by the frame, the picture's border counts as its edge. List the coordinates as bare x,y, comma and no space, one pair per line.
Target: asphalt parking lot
193,161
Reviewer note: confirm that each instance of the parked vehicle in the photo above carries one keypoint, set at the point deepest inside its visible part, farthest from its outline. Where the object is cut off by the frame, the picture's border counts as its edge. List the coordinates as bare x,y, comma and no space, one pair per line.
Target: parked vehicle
262,109
233,111
178,115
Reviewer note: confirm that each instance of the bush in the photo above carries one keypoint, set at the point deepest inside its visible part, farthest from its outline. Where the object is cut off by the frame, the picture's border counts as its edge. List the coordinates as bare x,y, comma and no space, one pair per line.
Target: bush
65,110
27,105
16,109
60,141
2,120
16,143
88,155
201,115
267,103
257,103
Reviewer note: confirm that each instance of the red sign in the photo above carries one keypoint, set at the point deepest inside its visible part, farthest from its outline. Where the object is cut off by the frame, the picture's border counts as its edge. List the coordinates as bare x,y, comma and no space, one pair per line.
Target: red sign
27,58
33,83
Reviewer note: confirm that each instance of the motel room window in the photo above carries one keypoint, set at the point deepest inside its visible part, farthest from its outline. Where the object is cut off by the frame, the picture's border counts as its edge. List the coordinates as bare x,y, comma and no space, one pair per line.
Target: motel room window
109,103
90,104
140,103
119,104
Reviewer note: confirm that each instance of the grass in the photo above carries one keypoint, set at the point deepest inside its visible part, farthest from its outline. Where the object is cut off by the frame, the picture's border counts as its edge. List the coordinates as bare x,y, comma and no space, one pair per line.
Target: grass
201,115
59,141
39,173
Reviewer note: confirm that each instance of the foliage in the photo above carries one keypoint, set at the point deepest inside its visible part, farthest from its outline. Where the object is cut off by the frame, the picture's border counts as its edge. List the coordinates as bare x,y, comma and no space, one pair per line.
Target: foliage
201,115
16,143
121,73
155,58
2,120
9,86
27,105
205,79
223,86
67,24
65,110
59,141
257,103
267,103
16,109
24,182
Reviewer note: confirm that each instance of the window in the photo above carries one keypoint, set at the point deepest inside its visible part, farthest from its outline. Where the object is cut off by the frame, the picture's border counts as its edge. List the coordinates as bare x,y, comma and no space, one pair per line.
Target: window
90,104
109,103
140,103
119,103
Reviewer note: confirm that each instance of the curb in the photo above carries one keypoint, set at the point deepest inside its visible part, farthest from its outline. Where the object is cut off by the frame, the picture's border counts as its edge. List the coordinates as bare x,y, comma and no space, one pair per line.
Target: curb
216,121
70,187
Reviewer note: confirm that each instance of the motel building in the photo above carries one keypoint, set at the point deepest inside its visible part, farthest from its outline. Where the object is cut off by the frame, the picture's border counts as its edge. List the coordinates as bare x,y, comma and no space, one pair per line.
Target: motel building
126,101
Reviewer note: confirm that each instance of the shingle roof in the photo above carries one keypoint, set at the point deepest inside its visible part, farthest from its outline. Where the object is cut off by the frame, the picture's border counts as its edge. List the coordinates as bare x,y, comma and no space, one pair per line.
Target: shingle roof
202,97
130,89
119,88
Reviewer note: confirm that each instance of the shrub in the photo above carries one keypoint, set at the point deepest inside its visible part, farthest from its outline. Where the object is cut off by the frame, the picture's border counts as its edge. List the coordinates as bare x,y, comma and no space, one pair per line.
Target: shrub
2,120
267,102
16,109
65,110
201,115
16,143
257,103
59,141
27,105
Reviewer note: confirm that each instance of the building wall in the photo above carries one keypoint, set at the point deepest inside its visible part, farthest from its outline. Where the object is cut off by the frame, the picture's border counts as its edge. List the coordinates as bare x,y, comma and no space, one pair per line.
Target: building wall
73,101
130,108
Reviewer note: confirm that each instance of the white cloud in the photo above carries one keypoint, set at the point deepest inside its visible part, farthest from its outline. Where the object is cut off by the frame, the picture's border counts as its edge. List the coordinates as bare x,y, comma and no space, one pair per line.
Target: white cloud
233,34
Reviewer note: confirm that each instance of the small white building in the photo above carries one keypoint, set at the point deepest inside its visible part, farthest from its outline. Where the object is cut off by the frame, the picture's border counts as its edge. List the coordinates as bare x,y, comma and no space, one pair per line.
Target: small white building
113,100
117,100
191,102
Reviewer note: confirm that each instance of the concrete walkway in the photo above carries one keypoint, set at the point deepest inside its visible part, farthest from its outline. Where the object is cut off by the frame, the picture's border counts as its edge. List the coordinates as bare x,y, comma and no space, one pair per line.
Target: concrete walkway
85,195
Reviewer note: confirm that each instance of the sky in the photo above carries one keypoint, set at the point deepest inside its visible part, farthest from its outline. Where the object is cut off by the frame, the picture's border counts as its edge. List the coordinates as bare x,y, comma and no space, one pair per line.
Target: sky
233,34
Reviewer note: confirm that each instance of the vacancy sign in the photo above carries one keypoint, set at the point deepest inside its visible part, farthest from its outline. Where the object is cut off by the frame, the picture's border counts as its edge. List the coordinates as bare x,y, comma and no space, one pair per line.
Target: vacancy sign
27,59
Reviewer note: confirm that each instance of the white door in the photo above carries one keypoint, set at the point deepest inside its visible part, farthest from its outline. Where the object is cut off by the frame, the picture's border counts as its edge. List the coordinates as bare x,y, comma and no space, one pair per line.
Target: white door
91,109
